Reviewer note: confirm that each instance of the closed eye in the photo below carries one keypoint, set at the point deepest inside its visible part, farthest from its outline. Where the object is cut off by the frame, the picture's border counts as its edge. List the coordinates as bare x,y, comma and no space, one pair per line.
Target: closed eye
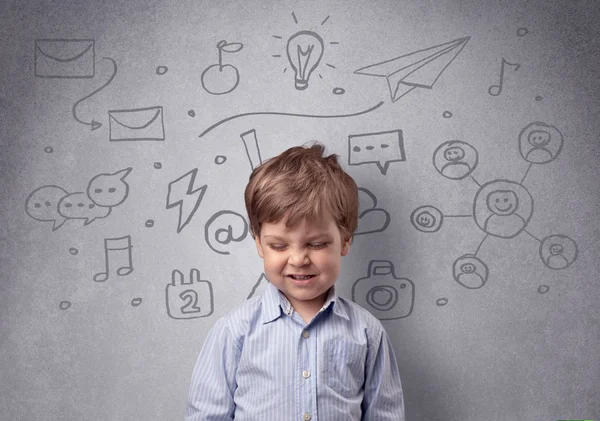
318,246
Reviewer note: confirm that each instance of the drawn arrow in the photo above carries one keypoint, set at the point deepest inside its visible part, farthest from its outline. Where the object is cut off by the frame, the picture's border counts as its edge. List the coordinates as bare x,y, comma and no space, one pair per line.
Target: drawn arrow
95,124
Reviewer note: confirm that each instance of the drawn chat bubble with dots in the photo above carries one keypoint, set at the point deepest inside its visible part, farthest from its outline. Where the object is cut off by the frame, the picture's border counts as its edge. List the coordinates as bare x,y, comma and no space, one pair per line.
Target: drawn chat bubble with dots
42,205
79,206
109,189
380,148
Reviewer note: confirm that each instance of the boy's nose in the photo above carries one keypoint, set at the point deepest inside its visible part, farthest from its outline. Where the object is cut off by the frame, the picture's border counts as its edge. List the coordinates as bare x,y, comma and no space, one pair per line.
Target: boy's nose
299,258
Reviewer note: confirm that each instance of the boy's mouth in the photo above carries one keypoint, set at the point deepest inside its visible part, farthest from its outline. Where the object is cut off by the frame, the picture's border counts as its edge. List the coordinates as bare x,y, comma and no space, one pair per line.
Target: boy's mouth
301,277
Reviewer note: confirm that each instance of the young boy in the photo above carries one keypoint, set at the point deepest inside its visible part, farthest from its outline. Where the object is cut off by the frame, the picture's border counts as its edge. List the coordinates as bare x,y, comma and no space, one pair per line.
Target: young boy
298,352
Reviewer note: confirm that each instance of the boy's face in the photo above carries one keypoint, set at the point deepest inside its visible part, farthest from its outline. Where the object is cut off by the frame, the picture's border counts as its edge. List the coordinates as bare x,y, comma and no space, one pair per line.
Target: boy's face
303,262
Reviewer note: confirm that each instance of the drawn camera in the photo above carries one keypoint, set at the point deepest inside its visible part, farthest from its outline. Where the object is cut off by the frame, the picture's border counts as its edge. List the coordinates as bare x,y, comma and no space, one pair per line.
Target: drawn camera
189,299
385,295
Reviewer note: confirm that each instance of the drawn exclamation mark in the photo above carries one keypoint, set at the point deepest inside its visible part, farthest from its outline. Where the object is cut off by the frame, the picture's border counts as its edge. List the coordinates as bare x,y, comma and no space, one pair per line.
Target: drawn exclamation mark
252,149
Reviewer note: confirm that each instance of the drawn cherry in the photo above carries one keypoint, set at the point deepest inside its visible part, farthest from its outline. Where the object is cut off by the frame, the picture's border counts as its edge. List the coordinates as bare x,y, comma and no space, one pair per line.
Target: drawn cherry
219,79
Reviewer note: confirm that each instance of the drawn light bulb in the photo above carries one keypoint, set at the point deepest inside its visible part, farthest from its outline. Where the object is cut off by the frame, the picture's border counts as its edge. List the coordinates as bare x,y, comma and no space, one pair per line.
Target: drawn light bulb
304,51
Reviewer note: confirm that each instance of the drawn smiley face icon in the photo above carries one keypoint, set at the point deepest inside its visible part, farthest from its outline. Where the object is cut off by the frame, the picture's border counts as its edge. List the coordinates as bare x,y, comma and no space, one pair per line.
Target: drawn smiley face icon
427,218
538,138
503,202
454,153
455,159
467,268
556,249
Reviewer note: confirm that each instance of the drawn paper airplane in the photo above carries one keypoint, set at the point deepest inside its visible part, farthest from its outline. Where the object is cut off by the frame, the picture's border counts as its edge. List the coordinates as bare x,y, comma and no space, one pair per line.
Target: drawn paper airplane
419,69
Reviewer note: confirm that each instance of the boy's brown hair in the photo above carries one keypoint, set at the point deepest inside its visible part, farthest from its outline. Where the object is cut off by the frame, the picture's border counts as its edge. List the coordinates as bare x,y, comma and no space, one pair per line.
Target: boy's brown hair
299,184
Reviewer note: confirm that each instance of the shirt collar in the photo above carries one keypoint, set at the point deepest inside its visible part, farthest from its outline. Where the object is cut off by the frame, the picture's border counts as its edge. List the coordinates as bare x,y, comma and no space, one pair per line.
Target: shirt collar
275,304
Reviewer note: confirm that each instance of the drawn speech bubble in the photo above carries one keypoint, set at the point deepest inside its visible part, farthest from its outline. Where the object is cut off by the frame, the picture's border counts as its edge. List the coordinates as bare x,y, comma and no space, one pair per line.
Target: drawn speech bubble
42,205
380,148
79,206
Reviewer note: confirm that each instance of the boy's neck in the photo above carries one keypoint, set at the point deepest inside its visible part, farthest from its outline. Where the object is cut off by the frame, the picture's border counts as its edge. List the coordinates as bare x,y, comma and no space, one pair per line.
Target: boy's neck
309,309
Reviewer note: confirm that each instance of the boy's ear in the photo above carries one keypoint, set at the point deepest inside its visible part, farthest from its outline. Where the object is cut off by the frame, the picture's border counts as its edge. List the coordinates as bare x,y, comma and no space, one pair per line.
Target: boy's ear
346,246
259,247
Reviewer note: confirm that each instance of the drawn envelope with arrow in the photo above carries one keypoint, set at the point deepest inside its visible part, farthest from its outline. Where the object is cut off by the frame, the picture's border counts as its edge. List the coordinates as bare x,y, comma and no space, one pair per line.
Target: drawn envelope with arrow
136,124
419,69
64,58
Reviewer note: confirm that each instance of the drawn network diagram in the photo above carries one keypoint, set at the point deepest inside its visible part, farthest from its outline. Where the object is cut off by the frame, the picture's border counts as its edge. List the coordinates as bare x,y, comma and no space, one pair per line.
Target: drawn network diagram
501,208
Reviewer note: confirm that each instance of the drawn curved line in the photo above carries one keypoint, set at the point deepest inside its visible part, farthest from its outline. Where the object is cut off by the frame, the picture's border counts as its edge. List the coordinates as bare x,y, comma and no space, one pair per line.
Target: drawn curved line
65,60
94,123
291,115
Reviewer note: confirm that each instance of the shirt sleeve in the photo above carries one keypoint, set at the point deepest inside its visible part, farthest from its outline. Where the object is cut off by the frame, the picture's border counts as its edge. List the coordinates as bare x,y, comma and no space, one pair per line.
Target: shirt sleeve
213,380
383,399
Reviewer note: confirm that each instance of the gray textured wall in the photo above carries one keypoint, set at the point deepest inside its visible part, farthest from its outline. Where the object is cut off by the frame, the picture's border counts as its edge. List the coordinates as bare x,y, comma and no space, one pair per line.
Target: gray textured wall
493,301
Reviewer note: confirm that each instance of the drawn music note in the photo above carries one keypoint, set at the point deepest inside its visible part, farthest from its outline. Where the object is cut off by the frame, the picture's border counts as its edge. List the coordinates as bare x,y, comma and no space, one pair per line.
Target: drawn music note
495,90
117,254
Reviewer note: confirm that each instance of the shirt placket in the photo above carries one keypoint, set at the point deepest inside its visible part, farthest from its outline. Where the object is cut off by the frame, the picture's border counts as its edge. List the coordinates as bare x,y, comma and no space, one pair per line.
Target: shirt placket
306,374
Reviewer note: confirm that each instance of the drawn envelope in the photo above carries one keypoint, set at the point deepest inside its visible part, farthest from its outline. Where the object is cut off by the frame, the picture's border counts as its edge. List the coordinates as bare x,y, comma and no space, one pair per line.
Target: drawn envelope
64,58
136,124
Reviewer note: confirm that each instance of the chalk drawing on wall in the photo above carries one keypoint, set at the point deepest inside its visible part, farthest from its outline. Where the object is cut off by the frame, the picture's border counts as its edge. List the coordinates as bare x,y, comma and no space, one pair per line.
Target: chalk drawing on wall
64,305
117,258
220,159
79,206
496,90
252,149
65,58
419,69
189,299
136,124
558,251
94,124
304,51
381,148
109,189
185,193
104,191
427,218
470,271
385,295
228,226
42,205
217,124
259,286
455,159
219,78
370,218
502,208
540,143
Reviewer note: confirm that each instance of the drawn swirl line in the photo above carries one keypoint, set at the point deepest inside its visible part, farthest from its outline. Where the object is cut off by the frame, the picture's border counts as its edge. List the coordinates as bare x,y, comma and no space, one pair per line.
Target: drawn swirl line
289,114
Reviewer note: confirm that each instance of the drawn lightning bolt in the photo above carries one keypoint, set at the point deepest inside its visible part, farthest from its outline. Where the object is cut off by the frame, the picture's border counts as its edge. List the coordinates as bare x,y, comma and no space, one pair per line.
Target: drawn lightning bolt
184,193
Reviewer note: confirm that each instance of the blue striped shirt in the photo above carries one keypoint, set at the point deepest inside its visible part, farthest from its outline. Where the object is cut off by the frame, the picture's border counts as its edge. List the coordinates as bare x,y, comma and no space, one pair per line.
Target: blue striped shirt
263,362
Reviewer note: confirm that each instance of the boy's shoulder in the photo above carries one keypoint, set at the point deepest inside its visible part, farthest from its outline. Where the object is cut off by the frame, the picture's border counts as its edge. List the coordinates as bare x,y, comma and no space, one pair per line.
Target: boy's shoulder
358,314
241,318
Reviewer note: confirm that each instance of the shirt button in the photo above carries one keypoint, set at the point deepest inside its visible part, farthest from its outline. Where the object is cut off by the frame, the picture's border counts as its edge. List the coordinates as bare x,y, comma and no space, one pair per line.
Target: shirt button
306,416
306,374
306,334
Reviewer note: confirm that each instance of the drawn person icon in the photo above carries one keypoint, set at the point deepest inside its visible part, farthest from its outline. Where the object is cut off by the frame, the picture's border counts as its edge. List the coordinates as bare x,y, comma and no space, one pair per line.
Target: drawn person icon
455,159
503,208
557,260
540,143
504,217
558,251
470,271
